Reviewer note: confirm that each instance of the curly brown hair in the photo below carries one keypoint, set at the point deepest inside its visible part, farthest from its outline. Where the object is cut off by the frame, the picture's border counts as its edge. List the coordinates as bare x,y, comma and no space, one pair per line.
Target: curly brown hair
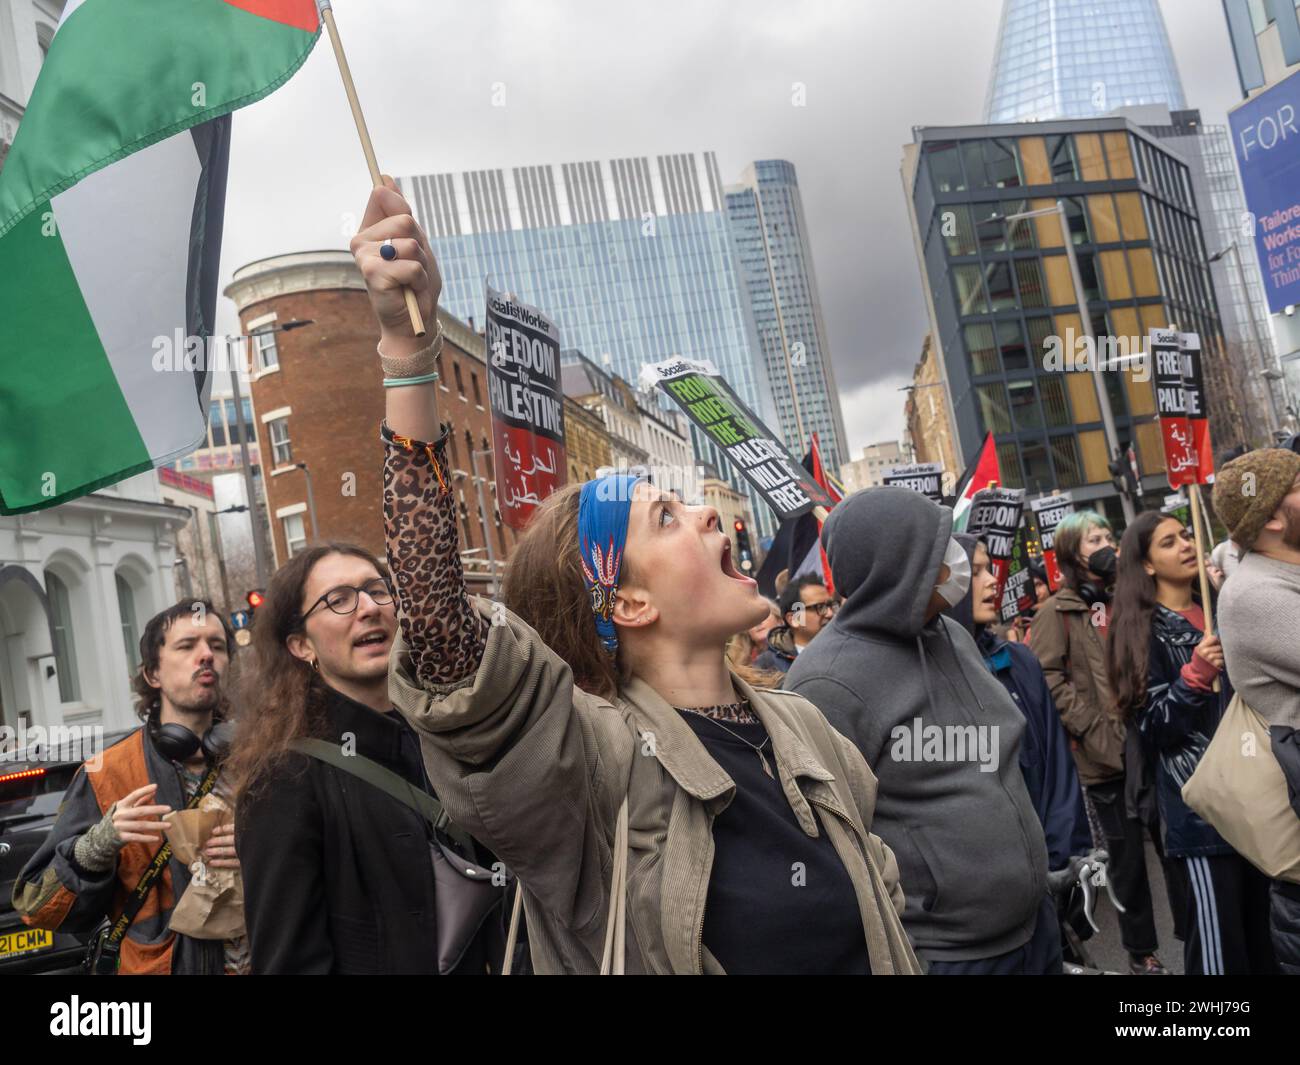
148,699
280,697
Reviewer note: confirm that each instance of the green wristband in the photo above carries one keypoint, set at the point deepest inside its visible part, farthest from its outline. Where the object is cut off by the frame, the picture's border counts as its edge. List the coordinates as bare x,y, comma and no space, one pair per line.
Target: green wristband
398,382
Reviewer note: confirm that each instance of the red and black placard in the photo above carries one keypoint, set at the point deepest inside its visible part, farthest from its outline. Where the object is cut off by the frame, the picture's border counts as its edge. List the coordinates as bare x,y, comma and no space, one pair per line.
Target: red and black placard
527,402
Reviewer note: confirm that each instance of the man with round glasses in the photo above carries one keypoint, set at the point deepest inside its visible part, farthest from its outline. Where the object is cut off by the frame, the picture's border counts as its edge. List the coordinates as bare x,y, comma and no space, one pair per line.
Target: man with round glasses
338,872
806,608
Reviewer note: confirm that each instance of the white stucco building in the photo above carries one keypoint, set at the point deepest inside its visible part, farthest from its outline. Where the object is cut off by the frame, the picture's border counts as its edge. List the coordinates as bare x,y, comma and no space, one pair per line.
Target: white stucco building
77,584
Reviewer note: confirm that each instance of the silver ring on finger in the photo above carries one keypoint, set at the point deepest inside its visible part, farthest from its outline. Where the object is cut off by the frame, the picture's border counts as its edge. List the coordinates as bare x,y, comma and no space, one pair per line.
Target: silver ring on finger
387,251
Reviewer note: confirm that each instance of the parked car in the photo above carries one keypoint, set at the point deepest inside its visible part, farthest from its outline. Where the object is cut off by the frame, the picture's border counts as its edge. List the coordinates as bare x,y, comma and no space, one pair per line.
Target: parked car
31,792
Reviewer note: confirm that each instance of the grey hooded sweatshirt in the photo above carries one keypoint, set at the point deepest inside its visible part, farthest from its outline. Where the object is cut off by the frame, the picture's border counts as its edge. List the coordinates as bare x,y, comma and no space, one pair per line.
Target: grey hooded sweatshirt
940,732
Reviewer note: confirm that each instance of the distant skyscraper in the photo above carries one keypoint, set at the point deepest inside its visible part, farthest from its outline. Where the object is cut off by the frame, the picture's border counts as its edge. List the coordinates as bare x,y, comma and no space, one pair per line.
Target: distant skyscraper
1085,58
632,257
1080,59
771,237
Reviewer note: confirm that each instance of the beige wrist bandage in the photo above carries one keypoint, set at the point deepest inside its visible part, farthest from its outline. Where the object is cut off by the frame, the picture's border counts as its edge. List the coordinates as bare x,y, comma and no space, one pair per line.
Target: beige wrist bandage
417,363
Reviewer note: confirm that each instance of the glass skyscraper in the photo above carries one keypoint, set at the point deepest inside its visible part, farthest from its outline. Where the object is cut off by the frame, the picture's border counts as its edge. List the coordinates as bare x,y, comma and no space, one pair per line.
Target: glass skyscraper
771,239
633,258
1080,59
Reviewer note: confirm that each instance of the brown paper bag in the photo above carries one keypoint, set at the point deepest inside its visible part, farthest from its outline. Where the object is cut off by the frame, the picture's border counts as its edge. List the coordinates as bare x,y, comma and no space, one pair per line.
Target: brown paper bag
212,906
1238,787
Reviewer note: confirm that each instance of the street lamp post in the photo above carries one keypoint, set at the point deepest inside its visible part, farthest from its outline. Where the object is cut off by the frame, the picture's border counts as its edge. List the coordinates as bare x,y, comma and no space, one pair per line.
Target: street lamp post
311,501
1085,321
259,549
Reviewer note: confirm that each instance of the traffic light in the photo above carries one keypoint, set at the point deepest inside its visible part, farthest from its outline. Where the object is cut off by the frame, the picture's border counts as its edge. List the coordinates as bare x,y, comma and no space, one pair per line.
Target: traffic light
255,599
1123,475
743,549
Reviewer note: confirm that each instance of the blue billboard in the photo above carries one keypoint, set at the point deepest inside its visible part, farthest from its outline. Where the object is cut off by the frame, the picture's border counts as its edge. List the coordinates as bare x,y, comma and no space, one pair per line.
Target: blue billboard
1266,139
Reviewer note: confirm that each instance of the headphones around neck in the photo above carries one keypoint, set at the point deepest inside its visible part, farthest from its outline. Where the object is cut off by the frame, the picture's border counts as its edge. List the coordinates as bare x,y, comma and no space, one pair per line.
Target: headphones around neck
178,743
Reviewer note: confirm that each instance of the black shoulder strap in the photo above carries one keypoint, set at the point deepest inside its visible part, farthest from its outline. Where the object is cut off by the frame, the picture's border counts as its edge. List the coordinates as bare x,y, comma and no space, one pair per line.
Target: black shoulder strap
147,879
392,784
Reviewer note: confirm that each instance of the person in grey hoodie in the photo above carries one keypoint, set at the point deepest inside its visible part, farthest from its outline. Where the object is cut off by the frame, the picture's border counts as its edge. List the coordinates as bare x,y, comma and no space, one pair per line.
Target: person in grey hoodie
910,689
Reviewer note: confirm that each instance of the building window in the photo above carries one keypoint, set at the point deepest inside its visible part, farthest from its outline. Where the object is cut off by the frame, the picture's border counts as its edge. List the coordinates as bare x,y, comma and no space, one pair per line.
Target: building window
65,646
1024,405
1060,157
460,383
1055,408
1029,276
1002,297
991,163
1065,457
1088,275
478,396
945,166
265,353
1011,343
295,533
1260,15
1038,470
1076,219
281,449
1041,333
958,233
969,290
1009,464
126,613
994,416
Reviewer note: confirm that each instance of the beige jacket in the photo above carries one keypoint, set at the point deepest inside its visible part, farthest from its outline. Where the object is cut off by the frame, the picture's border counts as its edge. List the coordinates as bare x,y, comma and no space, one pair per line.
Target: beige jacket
537,769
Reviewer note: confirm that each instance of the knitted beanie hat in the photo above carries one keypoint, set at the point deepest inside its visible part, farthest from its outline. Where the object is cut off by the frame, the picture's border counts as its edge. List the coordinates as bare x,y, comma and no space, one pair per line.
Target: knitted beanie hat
1249,489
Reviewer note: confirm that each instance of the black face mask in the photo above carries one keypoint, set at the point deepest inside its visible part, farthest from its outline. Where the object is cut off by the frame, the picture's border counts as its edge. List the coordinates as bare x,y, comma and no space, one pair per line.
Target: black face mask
1103,563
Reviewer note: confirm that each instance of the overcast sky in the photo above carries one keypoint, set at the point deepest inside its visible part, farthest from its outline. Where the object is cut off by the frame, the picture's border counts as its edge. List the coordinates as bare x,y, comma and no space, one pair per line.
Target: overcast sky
595,80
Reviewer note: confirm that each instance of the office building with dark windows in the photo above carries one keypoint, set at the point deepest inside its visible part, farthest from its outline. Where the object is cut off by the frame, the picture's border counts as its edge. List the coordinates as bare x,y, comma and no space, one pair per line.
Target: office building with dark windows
1001,298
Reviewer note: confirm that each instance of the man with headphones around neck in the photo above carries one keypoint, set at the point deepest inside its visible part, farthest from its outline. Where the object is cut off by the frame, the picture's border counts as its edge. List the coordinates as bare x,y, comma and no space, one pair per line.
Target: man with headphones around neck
93,864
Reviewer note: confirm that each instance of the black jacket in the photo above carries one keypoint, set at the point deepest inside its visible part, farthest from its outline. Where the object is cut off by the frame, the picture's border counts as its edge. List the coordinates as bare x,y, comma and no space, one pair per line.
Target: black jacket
780,653
1176,725
338,876
1045,759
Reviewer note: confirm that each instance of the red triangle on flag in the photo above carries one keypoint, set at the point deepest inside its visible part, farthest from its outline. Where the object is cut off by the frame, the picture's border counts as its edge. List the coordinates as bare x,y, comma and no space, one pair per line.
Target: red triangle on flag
832,487
301,14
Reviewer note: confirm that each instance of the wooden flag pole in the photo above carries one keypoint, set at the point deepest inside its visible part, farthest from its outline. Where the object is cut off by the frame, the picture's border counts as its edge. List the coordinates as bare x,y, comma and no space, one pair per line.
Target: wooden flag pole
1198,533
327,16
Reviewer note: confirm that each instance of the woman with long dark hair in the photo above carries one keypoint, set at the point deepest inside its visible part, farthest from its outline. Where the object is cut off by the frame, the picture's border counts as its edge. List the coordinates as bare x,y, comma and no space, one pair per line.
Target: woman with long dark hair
1163,669
1071,631
661,814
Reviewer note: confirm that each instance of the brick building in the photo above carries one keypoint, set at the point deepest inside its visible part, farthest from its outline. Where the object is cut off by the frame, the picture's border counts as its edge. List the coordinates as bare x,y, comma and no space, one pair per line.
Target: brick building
318,400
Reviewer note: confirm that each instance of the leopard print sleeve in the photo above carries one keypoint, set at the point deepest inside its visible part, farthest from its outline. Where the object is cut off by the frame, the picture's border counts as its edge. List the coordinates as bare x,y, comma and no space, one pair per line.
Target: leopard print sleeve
445,635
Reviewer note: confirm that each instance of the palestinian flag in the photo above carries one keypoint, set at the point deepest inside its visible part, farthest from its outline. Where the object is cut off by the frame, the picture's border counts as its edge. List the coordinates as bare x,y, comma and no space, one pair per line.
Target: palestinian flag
833,489
980,474
111,204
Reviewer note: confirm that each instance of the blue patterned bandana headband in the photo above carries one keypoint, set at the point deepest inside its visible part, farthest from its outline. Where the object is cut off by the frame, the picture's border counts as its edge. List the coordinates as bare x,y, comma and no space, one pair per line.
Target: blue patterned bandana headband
603,510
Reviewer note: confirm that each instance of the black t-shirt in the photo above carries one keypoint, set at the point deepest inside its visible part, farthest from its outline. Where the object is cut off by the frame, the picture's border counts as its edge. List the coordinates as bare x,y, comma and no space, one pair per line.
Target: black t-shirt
779,900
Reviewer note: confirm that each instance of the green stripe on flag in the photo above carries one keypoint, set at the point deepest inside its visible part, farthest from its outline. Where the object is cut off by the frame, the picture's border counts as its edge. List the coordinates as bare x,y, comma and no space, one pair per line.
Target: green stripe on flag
63,418
124,74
